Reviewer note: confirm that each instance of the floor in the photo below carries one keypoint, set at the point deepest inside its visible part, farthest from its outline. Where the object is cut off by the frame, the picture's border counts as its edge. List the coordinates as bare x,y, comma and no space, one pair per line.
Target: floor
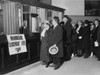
77,66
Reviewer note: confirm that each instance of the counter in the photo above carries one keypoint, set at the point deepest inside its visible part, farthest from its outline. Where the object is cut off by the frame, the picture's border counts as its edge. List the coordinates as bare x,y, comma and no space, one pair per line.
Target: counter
11,62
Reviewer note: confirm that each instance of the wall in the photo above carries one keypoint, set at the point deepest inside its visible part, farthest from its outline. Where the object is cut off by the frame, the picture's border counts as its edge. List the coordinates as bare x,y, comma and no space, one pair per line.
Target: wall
76,18
46,1
73,7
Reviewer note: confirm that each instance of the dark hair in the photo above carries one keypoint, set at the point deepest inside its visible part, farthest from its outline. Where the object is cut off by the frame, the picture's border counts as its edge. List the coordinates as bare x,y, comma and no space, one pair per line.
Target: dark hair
86,22
80,21
69,19
96,19
61,23
92,22
65,16
56,19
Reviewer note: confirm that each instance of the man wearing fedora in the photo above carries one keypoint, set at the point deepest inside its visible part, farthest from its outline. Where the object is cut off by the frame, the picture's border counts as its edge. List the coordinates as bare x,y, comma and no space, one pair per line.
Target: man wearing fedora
55,39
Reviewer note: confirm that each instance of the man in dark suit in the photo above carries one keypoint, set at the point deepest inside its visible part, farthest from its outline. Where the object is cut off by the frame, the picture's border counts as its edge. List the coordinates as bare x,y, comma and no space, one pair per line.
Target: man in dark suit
55,39
67,27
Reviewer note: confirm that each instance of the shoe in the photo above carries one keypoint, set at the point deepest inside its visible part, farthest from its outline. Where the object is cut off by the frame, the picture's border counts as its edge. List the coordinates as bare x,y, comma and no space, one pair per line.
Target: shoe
75,55
43,63
47,65
98,58
86,56
57,67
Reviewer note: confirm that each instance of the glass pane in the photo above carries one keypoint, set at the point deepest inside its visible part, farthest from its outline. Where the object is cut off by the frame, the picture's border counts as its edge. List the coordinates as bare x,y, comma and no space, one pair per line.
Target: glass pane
25,8
41,14
33,9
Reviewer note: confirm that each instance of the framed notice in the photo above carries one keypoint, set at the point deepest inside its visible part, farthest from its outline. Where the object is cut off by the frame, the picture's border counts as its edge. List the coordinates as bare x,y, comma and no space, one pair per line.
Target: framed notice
16,44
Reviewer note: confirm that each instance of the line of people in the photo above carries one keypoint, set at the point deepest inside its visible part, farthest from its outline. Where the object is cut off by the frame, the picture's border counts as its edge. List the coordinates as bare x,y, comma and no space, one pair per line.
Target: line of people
78,39
88,38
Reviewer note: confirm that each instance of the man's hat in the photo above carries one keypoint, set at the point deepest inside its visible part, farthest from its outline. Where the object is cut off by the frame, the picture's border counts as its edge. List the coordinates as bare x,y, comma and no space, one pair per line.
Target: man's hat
53,50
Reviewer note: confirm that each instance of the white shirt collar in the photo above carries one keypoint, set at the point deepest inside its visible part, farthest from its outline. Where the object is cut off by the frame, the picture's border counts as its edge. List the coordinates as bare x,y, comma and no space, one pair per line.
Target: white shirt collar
96,25
55,26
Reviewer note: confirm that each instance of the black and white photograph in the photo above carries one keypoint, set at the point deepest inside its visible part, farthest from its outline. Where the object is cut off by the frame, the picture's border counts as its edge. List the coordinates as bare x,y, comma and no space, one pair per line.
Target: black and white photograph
49,37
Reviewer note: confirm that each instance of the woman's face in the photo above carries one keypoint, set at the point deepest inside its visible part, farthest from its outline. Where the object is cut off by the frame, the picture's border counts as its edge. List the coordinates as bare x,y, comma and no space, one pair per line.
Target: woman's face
96,22
73,25
85,24
79,23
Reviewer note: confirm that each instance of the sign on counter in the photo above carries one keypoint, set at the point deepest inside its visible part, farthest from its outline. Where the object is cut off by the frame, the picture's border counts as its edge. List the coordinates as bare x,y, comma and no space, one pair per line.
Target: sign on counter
16,43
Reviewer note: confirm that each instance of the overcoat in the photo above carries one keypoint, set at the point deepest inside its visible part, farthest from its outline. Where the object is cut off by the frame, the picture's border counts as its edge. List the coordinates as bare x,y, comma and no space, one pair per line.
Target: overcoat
56,37
98,38
86,38
44,50
68,28
74,35
80,41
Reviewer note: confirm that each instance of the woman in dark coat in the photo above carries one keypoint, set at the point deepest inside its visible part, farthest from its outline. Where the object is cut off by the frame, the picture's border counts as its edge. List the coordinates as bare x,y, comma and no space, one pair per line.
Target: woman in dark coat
95,39
74,39
92,26
86,39
79,31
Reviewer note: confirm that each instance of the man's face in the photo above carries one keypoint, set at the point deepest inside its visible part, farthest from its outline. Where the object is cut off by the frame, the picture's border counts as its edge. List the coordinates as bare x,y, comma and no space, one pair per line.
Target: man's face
65,19
79,23
73,24
96,22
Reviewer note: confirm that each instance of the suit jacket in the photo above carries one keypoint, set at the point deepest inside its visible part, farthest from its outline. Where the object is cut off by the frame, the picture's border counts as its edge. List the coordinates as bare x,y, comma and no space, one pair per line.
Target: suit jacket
56,38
